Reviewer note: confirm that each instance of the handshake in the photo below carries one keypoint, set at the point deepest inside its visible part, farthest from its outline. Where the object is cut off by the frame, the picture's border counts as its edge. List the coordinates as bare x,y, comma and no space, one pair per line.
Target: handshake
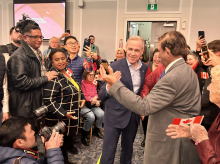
95,101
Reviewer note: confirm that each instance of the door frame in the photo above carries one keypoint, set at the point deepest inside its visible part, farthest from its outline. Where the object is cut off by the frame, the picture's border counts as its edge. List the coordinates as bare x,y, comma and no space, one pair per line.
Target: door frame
148,20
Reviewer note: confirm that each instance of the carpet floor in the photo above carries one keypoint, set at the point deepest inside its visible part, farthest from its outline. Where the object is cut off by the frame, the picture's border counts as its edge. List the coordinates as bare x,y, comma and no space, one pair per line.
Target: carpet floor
90,154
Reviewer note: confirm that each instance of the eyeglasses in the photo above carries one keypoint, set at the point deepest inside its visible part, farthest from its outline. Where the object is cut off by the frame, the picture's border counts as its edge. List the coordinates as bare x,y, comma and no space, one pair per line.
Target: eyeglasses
72,43
35,37
91,75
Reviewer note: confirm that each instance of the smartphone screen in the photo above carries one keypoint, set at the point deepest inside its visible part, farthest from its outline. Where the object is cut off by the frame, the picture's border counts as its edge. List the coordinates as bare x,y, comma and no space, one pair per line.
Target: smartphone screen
201,33
86,43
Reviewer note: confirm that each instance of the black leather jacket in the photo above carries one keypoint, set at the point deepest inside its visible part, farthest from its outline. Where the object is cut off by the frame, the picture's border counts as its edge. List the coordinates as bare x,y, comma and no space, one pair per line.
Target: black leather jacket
24,82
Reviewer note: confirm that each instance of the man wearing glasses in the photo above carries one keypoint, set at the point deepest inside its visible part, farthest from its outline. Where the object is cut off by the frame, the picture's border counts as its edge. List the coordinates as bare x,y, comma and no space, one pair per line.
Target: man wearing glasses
75,62
27,75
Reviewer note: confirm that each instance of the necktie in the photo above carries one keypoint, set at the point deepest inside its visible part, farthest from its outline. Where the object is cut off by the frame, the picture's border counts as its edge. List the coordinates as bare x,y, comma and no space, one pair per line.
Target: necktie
162,75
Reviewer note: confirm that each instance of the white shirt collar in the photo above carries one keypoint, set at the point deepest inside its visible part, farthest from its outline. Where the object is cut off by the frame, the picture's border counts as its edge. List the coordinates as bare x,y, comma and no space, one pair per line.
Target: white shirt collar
172,63
139,64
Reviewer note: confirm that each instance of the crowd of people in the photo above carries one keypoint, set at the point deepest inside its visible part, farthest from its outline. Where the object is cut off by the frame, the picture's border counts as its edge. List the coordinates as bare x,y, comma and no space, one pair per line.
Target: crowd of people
75,89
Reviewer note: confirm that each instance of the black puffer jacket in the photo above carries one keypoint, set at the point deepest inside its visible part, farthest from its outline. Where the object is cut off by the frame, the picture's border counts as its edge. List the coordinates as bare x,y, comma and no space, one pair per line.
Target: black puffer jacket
24,82
2,74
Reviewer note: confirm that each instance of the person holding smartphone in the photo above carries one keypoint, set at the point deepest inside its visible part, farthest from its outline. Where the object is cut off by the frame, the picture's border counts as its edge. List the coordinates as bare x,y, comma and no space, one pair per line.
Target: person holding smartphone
94,48
64,98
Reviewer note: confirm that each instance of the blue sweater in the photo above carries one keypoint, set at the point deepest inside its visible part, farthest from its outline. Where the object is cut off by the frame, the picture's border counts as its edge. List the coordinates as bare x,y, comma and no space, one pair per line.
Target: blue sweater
8,156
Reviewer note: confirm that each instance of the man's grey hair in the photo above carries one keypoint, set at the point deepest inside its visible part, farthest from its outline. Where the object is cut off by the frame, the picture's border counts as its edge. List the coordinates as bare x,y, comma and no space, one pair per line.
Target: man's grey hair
55,38
135,37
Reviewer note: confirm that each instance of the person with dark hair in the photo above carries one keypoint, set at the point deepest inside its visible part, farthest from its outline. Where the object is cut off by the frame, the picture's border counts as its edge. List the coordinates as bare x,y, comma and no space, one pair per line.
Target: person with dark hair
75,63
92,41
64,98
15,37
149,82
155,60
92,109
17,139
27,75
177,86
209,109
194,62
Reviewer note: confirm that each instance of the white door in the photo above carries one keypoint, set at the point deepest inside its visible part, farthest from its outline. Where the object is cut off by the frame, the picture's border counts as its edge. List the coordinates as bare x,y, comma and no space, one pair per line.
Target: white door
158,29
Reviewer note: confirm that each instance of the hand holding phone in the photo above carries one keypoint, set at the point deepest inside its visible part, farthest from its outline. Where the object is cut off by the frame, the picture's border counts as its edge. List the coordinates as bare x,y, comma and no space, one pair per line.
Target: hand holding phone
86,44
205,52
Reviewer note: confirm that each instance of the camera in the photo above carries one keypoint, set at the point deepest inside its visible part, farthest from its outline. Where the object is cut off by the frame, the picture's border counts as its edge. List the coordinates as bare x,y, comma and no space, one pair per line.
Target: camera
24,22
39,112
205,52
47,131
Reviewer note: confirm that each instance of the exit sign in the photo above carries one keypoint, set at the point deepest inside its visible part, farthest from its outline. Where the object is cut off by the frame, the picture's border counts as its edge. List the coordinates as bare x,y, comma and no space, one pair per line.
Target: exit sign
152,6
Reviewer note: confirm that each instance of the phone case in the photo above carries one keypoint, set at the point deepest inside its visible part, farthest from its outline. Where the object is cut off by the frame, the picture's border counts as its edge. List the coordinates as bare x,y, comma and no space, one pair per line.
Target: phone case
93,48
201,33
86,43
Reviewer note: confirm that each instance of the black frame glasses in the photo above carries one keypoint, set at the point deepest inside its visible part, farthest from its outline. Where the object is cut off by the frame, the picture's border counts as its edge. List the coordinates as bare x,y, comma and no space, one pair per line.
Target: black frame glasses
35,37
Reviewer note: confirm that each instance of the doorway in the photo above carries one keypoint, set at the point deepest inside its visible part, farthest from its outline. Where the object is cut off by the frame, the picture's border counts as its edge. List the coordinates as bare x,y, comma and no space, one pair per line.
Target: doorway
149,31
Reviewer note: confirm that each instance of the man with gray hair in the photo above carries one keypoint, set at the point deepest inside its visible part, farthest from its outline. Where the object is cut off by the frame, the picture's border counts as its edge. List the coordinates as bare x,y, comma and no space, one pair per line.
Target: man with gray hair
117,118
54,42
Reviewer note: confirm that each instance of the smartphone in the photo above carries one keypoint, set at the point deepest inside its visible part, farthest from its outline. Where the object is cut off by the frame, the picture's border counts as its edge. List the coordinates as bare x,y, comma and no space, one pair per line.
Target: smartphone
201,33
93,48
105,65
205,52
68,31
86,43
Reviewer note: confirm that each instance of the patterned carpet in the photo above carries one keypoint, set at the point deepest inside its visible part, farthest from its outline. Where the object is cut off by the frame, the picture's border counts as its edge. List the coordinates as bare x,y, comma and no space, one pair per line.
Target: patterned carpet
90,154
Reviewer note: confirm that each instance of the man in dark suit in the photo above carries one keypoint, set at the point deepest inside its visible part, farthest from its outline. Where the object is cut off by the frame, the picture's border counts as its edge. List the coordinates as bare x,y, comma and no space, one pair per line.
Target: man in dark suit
117,118
176,95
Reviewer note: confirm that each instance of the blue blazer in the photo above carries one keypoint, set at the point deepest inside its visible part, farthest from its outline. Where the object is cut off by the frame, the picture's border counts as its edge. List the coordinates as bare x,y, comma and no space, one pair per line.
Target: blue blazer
116,115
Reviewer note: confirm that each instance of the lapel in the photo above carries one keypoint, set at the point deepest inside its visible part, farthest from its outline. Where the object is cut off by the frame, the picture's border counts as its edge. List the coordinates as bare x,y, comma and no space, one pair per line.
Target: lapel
126,72
28,50
142,73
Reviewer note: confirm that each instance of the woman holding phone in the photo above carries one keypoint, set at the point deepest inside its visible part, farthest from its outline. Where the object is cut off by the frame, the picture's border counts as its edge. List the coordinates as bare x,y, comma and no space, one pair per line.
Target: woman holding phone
64,98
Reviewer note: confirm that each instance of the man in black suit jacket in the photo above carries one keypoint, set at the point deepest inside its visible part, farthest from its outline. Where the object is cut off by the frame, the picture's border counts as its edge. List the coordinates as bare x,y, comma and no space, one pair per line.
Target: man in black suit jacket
117,118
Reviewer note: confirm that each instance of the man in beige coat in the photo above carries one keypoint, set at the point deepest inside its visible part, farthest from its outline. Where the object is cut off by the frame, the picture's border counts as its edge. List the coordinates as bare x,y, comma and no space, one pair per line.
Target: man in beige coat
176,95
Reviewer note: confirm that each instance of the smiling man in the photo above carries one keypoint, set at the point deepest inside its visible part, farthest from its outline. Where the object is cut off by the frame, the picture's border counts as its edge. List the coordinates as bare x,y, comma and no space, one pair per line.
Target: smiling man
176,95
117,118
27,75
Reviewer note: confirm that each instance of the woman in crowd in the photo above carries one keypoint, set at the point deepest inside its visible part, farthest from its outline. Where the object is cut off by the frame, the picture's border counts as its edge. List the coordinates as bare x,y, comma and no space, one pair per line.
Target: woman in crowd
92,109
207,143
156,60
119,54
194,62
64,98
149,82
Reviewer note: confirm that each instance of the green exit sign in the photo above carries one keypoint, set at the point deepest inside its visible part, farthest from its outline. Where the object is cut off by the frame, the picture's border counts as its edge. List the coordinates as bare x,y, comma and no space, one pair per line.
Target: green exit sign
152,6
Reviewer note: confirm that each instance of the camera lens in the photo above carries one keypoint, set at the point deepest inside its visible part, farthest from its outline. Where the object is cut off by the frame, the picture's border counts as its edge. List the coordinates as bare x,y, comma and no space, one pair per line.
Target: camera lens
60,127
40,111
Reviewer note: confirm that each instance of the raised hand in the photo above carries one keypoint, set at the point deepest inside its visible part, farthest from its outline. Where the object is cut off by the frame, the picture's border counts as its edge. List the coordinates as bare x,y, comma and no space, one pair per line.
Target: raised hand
112,77
200,43
88,51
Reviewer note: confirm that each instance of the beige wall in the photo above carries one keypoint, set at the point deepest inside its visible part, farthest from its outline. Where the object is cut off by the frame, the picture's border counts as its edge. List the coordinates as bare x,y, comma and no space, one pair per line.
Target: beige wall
112,15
